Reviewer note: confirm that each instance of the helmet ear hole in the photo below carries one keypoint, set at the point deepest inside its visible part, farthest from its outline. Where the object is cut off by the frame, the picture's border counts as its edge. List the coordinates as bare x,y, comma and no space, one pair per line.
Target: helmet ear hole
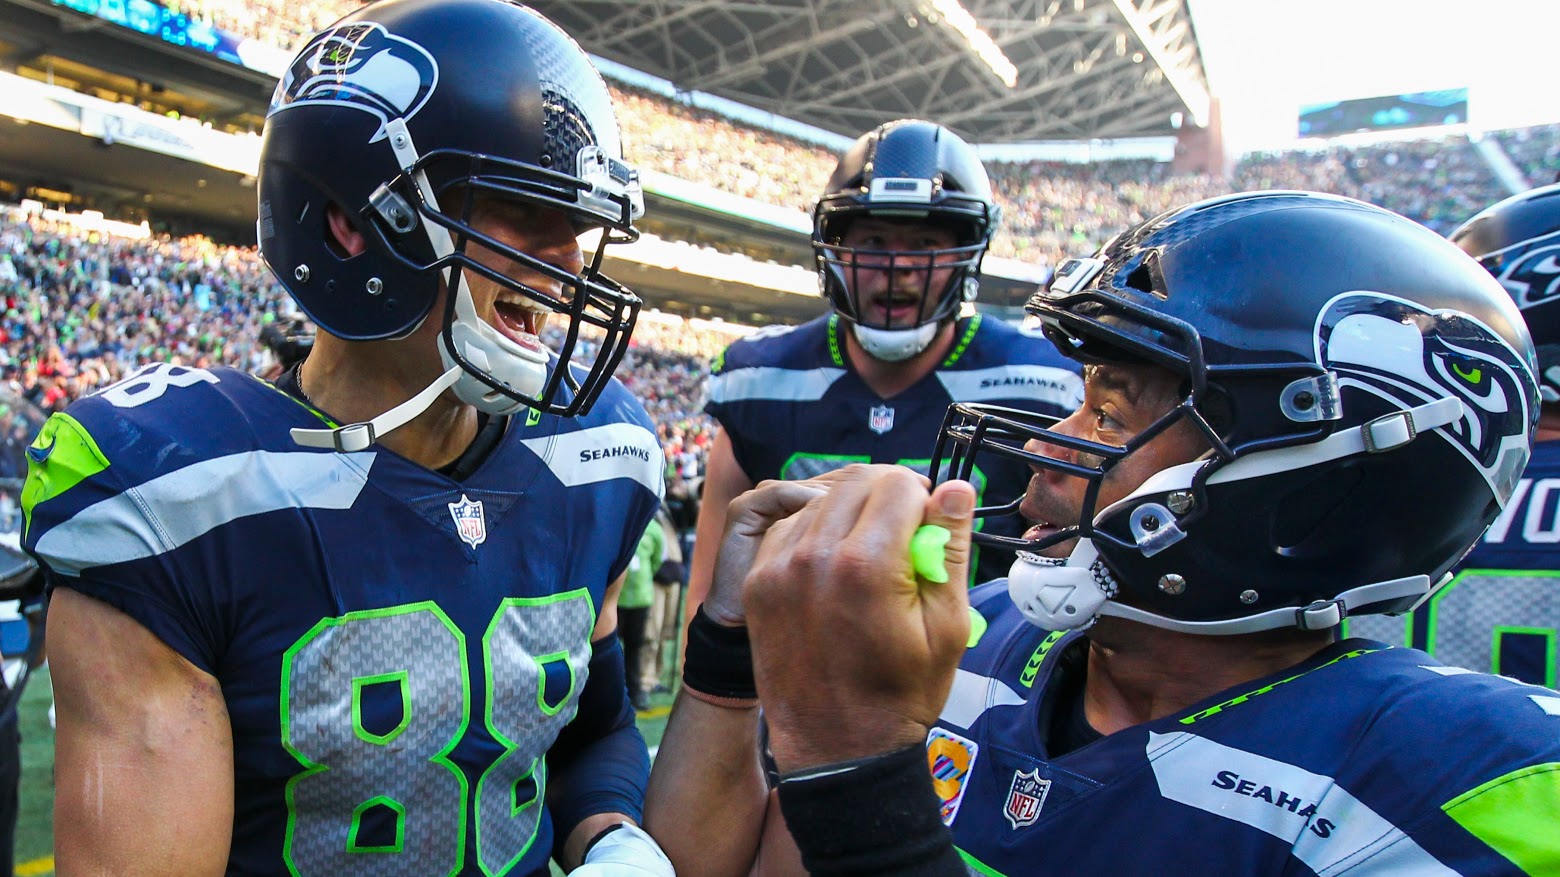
341,234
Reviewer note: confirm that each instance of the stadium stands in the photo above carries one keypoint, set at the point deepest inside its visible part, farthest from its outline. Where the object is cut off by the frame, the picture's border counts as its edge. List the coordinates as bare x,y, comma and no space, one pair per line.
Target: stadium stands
1535,151
85,305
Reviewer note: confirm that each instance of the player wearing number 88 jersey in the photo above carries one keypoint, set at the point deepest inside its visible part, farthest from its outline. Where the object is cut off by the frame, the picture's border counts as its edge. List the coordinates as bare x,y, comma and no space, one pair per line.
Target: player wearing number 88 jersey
391,699
358,622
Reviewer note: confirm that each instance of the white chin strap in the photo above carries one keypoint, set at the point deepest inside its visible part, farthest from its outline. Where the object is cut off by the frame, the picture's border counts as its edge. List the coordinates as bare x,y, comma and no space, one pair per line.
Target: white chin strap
520,368
1056,594
358,436
894,345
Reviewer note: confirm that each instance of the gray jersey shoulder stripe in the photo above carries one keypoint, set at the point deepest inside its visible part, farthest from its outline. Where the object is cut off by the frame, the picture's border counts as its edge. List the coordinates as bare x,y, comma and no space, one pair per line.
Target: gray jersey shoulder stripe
1043,383
775,384
199,498
972,694
1329,829
601,453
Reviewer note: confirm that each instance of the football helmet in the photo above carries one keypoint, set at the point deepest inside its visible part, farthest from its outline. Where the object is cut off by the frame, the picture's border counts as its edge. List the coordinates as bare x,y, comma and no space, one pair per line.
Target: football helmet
406,112
1366,391
1518,240
912,170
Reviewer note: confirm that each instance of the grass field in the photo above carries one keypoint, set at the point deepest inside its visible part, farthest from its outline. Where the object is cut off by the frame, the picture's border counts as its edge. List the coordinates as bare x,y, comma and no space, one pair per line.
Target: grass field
35,822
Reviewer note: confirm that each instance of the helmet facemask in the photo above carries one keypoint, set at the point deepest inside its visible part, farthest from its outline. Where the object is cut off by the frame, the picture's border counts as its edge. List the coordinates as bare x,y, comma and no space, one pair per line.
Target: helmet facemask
501,376
924,288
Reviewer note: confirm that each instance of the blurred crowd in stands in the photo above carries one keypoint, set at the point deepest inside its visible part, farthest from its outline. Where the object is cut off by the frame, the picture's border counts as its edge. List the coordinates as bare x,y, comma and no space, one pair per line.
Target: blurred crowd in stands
277,22
1535,151
1050,209
80,308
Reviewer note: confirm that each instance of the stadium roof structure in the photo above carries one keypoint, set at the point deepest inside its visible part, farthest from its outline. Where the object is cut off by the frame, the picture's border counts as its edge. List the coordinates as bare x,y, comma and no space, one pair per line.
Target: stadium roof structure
996,71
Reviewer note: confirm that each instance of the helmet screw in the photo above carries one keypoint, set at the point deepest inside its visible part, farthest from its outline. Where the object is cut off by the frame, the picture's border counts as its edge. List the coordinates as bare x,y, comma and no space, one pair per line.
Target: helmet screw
375,286
1172,584
301,273
1150,523
1248,597
1304,401
400,141
1179,501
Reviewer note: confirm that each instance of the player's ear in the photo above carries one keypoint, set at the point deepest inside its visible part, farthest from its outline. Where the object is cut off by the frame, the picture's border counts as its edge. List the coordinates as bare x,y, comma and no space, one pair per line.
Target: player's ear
344,237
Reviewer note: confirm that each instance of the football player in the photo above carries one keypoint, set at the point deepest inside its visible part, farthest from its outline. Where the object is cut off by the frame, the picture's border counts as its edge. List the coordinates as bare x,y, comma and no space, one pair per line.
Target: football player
898,238
1501,614
1298,408
355,622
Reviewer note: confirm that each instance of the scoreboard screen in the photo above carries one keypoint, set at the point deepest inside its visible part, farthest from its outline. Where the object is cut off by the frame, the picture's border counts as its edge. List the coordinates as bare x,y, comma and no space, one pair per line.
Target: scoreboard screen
154,19
1424,109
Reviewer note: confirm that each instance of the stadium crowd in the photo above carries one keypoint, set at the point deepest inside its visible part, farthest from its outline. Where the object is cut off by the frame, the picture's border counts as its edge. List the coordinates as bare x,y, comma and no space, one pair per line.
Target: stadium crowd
1535,151
84,307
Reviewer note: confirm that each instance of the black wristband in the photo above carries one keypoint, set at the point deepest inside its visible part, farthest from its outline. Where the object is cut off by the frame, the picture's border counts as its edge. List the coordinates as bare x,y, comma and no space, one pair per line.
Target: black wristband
876,817
719,660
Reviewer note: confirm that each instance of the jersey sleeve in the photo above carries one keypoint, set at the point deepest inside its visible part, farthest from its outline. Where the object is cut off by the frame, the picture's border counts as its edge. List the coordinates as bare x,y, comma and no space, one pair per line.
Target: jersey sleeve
1477,785
96,529
726,403
649,486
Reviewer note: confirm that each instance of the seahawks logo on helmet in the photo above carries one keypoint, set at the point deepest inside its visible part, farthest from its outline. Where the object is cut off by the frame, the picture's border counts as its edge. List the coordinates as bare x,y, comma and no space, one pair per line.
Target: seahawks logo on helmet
1534,277
1401,352
360,65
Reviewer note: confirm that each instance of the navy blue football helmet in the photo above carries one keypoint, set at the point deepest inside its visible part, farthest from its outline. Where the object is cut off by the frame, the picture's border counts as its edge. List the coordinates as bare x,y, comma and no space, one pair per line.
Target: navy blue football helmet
913,170
406,112
1518,240
1366,391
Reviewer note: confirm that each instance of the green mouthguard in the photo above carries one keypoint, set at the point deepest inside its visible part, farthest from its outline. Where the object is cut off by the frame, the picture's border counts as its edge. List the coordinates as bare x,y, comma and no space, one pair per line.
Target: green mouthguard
926,553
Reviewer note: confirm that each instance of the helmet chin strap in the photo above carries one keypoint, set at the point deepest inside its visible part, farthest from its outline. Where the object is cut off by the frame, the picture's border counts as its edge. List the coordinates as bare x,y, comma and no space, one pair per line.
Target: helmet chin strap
894,345
1057,594
521,369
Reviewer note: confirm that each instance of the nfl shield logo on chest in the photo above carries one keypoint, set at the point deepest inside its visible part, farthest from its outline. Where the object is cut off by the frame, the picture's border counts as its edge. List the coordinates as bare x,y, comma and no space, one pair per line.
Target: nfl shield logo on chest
1025,798
470,525
880,419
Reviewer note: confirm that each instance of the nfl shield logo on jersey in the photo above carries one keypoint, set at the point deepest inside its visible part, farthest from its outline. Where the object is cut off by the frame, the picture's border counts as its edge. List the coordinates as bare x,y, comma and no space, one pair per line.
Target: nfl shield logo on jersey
1025,798
470,525
880,419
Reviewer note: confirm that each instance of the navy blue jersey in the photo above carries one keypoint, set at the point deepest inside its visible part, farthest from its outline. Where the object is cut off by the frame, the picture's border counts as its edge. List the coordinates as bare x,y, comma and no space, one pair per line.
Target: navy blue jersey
1363,760
1501,611
793,407
397,650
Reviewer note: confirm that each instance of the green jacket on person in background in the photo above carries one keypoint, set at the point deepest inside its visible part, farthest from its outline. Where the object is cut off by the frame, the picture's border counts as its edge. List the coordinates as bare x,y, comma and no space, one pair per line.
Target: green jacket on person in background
639,588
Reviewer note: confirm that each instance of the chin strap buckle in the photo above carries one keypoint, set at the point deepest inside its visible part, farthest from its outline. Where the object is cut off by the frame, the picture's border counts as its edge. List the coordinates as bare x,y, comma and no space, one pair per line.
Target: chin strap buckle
1388,432
1321,615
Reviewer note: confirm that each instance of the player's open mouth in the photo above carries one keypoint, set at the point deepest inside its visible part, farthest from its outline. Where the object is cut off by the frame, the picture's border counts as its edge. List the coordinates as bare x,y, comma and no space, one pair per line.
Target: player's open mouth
1046,530
520,320
1040,531
898,309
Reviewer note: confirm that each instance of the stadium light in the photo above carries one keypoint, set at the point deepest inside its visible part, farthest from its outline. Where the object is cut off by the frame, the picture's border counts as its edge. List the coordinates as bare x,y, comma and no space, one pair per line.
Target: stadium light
980,43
